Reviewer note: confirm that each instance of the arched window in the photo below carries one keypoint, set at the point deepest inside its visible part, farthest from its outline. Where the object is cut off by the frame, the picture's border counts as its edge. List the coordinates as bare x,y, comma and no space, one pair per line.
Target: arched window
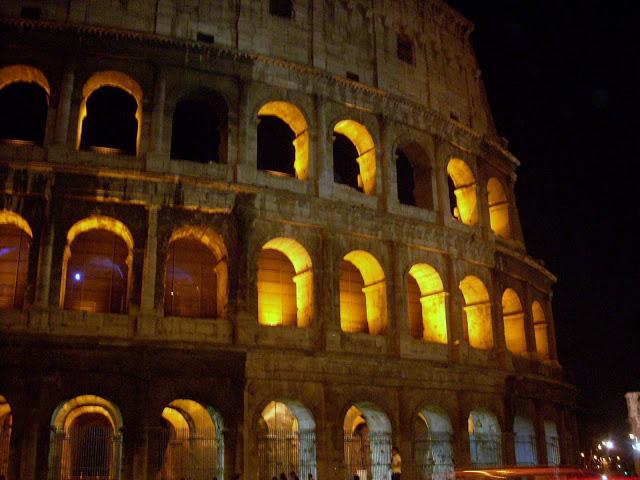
541,329
477,312
286,440
524,441
432,444
24,100
552,440
463,187
363,294
6,422
367,442
15,242
513,318
285,284
498,208
283,140
199,130
86,439
96,266
414,177
354,156
426,299
110,114
484,439
404,48
191,442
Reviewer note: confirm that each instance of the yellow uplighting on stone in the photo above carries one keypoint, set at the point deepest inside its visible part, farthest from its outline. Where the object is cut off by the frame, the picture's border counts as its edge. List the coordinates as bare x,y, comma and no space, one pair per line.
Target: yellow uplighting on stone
498,208
361,138
465,191
432,300
477,309
23,73
513,317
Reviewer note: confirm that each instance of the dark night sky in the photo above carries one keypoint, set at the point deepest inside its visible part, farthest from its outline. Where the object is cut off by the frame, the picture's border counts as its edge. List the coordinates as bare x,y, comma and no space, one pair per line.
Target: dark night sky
562,79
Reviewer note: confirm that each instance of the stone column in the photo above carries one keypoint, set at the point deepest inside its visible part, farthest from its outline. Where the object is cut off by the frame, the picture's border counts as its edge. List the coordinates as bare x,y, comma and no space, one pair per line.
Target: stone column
156,157
458,345
551,330
43,276
441,206
61,132
541,438
497,322
146,321
529,328
324,157
484,221
29,447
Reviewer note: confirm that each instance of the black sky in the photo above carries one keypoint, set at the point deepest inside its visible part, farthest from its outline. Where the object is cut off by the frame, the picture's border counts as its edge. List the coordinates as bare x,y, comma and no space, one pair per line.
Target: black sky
562,78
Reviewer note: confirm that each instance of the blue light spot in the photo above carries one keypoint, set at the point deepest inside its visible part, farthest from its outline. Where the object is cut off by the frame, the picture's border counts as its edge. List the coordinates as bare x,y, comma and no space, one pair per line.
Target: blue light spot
77,277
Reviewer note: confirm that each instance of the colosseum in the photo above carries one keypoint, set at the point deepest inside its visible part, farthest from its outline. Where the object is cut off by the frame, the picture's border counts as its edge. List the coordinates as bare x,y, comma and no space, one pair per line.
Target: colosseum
254,237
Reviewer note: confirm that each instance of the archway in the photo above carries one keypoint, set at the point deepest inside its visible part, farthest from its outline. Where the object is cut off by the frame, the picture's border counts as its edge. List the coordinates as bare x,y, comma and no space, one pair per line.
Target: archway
367,442
552,441
15,243
498,208
286,440
541,330
86,440
190,443
484,439
426,304
6,422
433,454
462,187
413,176
513,318
354,156
477,312
524,441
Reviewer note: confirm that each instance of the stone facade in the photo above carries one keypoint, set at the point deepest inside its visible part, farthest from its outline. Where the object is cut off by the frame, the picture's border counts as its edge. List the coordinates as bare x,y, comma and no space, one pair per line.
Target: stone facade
332,61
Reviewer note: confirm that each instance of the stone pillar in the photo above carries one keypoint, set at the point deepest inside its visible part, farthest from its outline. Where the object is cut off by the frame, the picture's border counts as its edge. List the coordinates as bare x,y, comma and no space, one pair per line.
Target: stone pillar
541,437
633,409
455,317
61,132
147,303
157,114
497,322
484,221
29,447
551,330
461,449
43,277
324,157
441,205
318,53
15,447
529,329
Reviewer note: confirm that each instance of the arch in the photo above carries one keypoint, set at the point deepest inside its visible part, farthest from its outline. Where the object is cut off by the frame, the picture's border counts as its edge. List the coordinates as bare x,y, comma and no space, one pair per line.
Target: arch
83,424
6,424
361,268
358,135
464,191
524,441
15,243
295,120
552,441
477,311
191,442
404,48
413,176
513,318
23,73
484,439
196,278
113,79
427,310
541,330
433,453
95,259
498,208
367,442
286,440
285,284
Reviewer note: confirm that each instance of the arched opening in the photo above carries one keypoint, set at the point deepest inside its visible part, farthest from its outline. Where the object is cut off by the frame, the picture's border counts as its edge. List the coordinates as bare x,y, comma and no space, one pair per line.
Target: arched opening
477,313
462,188
541,330
363,294
97,266
433,454
484,439
404,48
354,156
413,176
524,441
367,442
24,100
286,440
110,114
513,318
552,440
6,422
199,130
498,208
285,284
283,140
15,242
426,301
86,440
190,443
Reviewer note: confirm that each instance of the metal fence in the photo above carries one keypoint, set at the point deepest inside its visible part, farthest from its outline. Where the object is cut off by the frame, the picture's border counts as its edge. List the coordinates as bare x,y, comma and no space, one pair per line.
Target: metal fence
367,455
5,440
286,450
486,449
525,447
553,449
181,455
86,452
433,456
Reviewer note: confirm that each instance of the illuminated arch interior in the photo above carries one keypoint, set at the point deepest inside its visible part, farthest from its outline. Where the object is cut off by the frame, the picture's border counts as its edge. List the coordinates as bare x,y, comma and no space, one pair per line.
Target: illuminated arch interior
513,317
374,289
85,226
541,329
6,423
466,208
433,433
23,73
293,117
285,284
110,78
362,140
498,208
525,441
428,316
197,273
552,440
15,242
484,438
477,308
